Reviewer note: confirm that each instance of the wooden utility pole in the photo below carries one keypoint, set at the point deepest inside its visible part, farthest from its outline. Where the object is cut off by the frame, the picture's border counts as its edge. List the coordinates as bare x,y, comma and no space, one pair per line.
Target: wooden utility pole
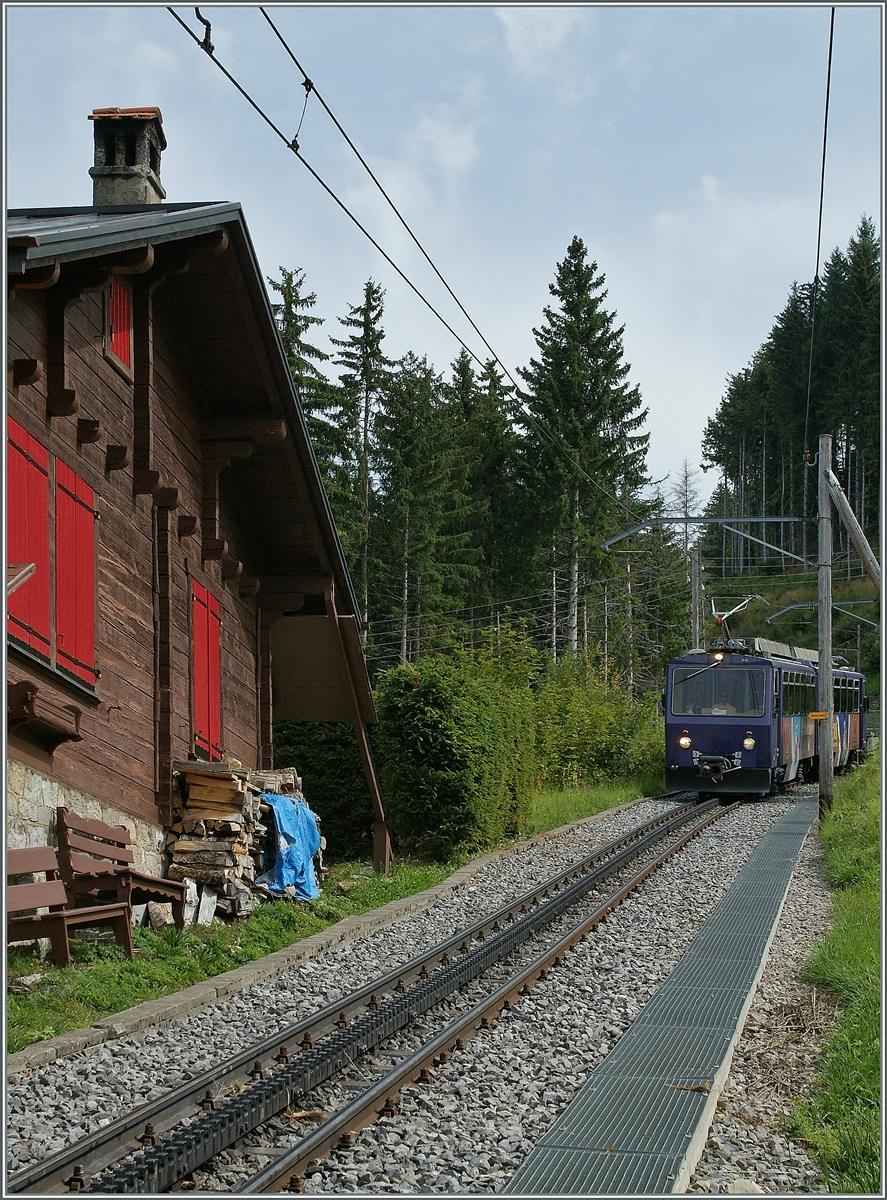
826,688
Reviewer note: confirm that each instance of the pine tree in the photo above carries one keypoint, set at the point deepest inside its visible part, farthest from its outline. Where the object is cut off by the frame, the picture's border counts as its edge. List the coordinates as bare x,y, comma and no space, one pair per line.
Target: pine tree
775,409
585,418
422,535
363,381
683,499
317,396
486,461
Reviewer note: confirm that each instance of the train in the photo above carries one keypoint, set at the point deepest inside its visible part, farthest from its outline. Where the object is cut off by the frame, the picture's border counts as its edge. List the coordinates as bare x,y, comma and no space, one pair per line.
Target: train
742,718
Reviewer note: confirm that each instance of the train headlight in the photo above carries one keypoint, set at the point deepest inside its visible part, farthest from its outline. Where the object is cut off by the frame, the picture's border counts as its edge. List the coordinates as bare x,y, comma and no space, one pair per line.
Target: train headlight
748,742
718,657
684,741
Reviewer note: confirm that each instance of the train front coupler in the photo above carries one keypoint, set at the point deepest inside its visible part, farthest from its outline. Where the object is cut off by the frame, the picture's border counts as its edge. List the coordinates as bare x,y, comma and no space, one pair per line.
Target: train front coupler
713,767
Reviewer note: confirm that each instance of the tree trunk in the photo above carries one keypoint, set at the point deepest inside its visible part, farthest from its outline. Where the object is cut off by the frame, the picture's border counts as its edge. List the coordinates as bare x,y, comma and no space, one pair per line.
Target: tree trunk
629,633
573,606
404,597
553,606
606,631
365,516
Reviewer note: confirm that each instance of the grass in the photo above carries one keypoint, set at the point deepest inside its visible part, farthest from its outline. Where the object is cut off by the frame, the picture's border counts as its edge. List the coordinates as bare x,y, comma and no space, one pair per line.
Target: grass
841,1124
102,981
552,809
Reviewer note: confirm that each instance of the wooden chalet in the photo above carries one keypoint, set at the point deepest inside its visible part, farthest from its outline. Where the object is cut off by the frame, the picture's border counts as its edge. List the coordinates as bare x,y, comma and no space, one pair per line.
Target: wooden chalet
174,577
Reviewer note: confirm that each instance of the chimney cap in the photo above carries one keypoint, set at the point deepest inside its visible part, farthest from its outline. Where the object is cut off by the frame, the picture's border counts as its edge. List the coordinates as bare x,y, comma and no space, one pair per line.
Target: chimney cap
137,114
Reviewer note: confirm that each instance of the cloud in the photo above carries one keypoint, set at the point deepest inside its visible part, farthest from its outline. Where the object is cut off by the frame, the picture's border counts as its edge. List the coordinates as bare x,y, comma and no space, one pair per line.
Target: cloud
443,142
541,44
716,227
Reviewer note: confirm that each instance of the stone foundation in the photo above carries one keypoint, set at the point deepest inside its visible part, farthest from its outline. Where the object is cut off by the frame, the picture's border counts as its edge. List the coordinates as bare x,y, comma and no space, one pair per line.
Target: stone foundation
31,801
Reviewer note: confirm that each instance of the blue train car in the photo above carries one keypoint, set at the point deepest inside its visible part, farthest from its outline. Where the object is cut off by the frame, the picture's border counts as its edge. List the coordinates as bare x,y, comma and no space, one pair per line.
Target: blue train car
738,718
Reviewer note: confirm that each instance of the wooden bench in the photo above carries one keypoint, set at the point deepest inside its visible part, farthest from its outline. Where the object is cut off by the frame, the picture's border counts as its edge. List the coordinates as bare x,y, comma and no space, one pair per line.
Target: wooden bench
95,861
22,925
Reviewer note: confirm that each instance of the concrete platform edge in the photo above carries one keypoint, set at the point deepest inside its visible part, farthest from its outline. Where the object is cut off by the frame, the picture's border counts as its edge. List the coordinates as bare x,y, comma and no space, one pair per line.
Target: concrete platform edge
154,1014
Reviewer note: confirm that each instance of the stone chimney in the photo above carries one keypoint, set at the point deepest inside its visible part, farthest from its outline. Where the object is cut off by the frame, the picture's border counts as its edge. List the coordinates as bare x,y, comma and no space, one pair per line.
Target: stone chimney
128,144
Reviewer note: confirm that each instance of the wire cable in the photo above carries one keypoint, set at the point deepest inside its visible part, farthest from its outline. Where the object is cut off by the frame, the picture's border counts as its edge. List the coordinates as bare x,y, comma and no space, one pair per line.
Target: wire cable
828,83
292,144
553,437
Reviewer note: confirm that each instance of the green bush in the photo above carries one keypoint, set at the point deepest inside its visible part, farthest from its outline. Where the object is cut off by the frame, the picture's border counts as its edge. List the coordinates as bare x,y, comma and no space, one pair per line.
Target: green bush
588,731
327,757
455,743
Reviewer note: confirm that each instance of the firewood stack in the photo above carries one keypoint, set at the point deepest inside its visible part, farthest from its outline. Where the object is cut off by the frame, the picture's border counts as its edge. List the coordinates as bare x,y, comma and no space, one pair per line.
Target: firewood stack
217,836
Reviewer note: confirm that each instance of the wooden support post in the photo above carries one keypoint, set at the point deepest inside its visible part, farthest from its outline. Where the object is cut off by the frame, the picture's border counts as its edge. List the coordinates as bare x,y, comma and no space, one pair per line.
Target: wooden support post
381,834
826,688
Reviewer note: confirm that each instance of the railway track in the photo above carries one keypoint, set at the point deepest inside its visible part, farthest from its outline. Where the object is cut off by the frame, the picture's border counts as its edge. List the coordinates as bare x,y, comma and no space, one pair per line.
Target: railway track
223,1106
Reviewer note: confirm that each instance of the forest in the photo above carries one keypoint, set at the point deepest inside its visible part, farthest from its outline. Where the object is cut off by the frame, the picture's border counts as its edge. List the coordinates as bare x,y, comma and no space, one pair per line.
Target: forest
466,503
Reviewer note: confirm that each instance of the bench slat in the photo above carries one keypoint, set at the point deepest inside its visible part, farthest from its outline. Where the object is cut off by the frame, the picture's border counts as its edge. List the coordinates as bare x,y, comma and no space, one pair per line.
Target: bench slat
22,896
68,819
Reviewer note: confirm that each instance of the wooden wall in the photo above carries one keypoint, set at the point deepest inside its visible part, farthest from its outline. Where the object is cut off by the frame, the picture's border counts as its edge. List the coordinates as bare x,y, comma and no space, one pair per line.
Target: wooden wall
140,717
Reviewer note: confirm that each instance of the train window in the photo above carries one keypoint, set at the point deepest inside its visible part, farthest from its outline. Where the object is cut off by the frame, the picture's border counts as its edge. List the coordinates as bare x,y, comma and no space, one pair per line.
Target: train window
719,691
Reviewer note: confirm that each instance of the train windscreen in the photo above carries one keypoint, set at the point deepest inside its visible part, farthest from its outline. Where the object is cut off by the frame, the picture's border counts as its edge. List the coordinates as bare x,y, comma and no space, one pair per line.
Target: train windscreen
718,691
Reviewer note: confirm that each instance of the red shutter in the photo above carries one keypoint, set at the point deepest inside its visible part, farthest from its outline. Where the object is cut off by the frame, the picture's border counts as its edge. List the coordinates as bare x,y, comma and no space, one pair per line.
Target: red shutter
27,534
207,674
121,322
74,574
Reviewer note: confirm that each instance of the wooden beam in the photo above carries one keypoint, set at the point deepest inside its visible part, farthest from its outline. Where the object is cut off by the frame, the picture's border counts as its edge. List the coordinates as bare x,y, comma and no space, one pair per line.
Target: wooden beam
88,431
381,834
60,399
26,371
116,458
260,432
133,262
40,277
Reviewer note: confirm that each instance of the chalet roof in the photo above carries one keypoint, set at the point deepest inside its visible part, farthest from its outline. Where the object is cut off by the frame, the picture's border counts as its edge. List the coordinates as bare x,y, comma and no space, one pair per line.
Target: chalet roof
238,370
40,235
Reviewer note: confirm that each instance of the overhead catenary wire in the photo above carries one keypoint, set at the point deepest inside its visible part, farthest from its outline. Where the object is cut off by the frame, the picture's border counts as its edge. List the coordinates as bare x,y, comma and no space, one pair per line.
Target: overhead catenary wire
292,144
310,86
813,298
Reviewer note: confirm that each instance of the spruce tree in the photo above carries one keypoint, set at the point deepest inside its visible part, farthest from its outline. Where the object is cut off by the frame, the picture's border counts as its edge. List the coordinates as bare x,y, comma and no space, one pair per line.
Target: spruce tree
422,535
585,445
317,396
363,381
485,461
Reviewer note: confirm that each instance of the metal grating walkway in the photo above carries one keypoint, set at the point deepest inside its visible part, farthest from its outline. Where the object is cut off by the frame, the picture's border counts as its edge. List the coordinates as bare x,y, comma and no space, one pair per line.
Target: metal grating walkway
639,1125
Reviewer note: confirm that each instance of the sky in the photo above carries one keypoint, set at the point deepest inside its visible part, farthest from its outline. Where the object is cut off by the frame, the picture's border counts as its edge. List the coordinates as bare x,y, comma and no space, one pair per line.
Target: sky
681,143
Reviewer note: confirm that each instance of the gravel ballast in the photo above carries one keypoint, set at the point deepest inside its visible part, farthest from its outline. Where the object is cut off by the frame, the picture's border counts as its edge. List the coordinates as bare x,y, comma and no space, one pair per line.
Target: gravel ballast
483,1111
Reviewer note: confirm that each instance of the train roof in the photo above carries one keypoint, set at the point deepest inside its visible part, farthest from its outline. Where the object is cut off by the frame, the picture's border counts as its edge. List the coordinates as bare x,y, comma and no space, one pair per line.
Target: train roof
765,648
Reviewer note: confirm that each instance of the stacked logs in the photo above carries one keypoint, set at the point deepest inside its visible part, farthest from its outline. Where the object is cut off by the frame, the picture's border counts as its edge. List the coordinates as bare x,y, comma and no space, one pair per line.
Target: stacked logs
217,836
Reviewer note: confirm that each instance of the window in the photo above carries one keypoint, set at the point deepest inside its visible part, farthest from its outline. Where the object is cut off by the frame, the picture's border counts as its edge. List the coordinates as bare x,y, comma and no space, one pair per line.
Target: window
118,330
27,538
206,666
717,691
49,507
74,574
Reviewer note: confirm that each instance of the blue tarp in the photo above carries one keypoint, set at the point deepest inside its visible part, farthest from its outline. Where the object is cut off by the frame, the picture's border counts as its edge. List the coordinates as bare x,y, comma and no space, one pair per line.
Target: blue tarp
298,840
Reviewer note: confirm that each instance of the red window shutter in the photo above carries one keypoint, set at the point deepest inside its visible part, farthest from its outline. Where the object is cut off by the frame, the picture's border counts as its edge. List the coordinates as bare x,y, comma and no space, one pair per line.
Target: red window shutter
27,537
207,626
74,575
121,322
